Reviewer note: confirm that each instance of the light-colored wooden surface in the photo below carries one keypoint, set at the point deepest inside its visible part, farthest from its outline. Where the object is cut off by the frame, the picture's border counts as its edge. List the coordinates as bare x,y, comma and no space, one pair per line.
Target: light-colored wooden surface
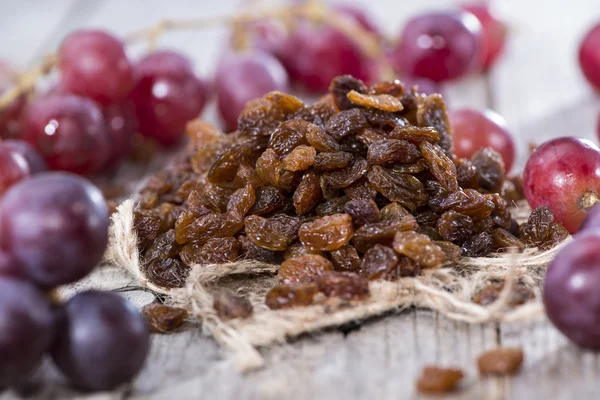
537,86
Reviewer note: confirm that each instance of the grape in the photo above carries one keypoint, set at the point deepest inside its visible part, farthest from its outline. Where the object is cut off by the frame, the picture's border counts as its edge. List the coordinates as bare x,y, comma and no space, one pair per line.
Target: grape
571,295
26,329
473,130
166,96
10,115
69,131
34,160
494,32
315,54
8,266
55,226
102,342
598,127
424,85
242,77
439,45
564,174
13,168
589,56
121,124
360,16
93,64
266,35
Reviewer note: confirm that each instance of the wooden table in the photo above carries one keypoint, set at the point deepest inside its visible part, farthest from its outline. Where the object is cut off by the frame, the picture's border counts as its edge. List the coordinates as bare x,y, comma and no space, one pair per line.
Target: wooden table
537,86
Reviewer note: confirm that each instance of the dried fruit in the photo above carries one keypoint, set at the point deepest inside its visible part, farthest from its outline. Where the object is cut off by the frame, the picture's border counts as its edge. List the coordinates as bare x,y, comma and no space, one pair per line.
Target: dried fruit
250,251
306,268
166,272
520,294
286,296
419,248
214,251
229,306
300,159
383,102
347,176
345,258
439,380
455,227
490,169
344,285
415,134
451,250
382,232
345,123
362,211
308,193
327,233
432,113
501,361
275,233
389,151
503,240
332,161
378,260
162,318
402,188
540,229
478,245
268,199
440,166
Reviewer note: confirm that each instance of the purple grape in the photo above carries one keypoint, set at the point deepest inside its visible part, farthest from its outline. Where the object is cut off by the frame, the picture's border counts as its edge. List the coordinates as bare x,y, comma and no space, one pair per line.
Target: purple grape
571,294
35,161
102,342
13,168
245,76
121,124
26,329
55,226
591,219
94,64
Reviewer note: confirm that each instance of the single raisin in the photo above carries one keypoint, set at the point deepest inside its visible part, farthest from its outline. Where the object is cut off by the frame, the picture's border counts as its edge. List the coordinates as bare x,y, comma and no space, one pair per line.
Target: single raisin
327,233
360,190
383,102
166,272
402,188
229,306
146,225
286,296
306,268
455,227
382,232
393,211
440,166
307,194
250,251
519,295
288,136
393,88
242,200
415,134
214,251
469,202
378,260
439,380
300,159
163,246
275,233
344,285
341,86
346,176
332,161
451,250
162,318
419,248
346,122
490,169
392,151
345,258
321,140
362,211
501,361
432,113
478,245
541,231
298,249
268,168
268,199
333,206
504,240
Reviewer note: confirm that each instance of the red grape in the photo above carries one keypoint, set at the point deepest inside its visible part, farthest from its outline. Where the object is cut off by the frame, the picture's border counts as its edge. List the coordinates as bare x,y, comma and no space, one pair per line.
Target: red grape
360,16
55,226
266,35
34,160
439,45
494,32
27,323
571,295
564,174
69,131
598,127
592,219
166,96
589,56
102,342
13,168
473,130
121,125
93,64
425,86
315,54
244,76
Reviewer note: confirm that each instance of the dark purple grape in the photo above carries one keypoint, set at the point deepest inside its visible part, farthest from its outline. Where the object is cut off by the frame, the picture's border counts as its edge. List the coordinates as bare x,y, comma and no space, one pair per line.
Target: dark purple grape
55,226
121,125
35,161
93,64
68,131
26,329
571,294
245,76
591,219
102,341
167,95
13,168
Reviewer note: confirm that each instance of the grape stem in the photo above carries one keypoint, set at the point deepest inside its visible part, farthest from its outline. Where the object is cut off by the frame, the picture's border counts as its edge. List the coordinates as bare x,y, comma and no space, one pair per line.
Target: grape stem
312,10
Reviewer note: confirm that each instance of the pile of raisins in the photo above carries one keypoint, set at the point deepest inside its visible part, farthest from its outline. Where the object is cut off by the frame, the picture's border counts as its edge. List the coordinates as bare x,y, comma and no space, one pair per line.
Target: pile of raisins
361,185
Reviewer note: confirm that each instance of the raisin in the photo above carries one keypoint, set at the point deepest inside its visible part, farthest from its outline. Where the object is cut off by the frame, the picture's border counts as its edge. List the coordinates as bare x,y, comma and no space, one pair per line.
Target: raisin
289,180
383,102
332,161
288,136
466,173
382,232
500,216
286,296
519,295
469,202
208,226
298,249
306,268
330,207
242,200
514,228
214,251
392,151
478,245
162,318
368,136
229,306
490,169
345,258
439,380
378,260
501,361
318,113
307,194
393,211
250,251
362,211
455,227
414,168
347,176
427,218
440,166
268,199
352,144
406,267
321,140
393,88
504,240
284,101
346,122
541,231
341,86
227,163
146,225
451,250
166,272
415,134
432,113
327,233
268,168
419,248
483,225
431,232
260,117
300,159
344,285
164,245
275,233
360,190
402,188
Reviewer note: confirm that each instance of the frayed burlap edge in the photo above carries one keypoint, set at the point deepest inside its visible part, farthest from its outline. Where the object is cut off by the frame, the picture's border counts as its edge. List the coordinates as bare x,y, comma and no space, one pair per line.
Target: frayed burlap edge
446,290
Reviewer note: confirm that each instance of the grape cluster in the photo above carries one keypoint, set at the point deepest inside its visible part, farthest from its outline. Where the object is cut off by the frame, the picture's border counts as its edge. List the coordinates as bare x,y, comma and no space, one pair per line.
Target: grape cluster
54,231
